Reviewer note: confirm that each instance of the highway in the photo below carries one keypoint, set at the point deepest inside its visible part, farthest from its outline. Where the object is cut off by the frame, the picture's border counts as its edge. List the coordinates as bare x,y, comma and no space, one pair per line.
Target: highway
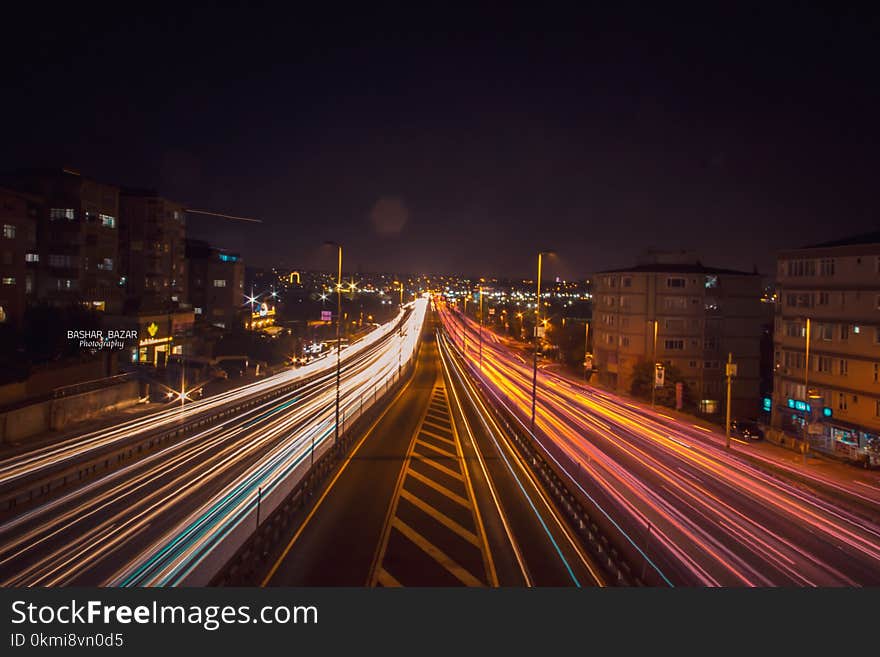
433,495
174,516
698,515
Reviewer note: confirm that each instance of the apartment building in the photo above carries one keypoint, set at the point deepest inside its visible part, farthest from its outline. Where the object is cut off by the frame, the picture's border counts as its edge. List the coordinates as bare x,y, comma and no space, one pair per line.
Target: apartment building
19,214
827,345
152,251
216,285
77,238
671,309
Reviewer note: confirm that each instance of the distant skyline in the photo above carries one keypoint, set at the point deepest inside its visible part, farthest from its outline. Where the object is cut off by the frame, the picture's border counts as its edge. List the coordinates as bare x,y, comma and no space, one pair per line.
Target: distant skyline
465,144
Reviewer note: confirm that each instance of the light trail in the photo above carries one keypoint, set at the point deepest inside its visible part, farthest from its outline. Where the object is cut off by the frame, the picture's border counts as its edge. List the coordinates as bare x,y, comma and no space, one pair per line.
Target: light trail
705,515
175,515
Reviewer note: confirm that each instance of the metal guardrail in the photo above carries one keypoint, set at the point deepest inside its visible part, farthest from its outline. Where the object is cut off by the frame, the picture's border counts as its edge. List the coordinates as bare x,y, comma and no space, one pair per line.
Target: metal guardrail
83,471
623,561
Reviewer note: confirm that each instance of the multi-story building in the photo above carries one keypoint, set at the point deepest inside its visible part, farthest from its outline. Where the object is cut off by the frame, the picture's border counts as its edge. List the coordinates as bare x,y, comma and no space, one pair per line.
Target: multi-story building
216,285
77,238
671,309
828,299
152,251
19,213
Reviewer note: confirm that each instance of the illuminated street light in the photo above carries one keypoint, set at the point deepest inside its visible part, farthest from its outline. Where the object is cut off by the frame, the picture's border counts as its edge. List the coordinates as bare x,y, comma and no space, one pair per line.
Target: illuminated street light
338,340
541,255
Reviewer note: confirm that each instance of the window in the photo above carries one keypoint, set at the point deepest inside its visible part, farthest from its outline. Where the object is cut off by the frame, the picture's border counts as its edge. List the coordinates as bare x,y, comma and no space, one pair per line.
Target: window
794,330
197,310
877,306
826,332
9,280
823,364
841,401
108,221
798,268
63,261
674,345
609,338
626,281
712,365
876,372
877,407
624,340
7,257
843,366
673,325
28,284
877,335
675,303
710,342
106,264
8,231
823,299
692,364
844,332
791,300
675,282
62,213
219,282
826,267
31,257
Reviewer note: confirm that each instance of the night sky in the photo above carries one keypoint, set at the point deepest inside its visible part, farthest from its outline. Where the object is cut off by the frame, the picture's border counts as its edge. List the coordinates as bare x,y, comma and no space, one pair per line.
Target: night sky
433,142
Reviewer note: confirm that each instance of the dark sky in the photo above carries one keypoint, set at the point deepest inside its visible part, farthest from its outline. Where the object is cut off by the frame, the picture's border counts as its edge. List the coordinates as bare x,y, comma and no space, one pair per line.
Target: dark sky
462,143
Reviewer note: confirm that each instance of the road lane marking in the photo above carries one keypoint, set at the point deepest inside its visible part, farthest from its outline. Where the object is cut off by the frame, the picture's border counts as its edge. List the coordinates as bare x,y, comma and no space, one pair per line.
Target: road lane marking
333,481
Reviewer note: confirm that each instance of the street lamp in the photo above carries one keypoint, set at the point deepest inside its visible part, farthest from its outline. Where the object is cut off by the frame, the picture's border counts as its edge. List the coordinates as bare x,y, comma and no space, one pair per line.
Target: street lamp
541,255
656,324
338,339
481,328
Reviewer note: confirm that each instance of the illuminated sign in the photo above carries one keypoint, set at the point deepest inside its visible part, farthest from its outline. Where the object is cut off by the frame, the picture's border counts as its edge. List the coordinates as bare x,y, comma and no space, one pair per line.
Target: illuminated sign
152,329
147,342
767,404
326,315
804,407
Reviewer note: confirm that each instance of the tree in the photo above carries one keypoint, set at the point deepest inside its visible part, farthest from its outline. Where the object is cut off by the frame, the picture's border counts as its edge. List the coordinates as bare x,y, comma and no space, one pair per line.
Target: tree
643,379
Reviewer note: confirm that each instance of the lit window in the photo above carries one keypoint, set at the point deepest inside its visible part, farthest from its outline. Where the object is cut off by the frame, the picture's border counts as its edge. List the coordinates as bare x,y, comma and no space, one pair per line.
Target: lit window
2,314
62,213
106,264
9,280
219,282
108,221
31,257
8,231
197,310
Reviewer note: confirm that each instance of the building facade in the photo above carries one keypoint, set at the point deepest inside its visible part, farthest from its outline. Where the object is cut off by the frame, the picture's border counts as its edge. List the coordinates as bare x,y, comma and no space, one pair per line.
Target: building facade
827,345
77,237
216,285
671,309
152,251
19,214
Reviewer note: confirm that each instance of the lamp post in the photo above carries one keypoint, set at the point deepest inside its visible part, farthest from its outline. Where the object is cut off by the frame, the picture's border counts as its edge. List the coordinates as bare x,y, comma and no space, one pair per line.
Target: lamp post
541,255
806,387
481,328
586,347
654,365
338,339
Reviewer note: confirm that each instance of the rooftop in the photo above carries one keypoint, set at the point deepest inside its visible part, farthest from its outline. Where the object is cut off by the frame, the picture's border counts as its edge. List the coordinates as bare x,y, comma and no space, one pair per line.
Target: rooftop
678,268
855,240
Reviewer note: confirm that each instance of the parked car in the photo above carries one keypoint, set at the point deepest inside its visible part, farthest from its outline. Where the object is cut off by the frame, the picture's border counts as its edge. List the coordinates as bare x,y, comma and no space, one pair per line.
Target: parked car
746,429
